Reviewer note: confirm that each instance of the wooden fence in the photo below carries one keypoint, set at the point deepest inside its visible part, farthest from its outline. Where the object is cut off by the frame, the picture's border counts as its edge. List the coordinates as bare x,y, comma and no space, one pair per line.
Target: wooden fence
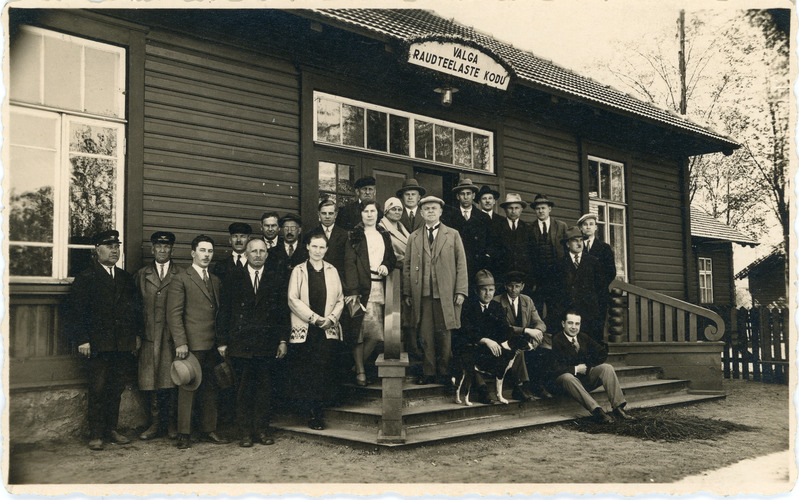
757,344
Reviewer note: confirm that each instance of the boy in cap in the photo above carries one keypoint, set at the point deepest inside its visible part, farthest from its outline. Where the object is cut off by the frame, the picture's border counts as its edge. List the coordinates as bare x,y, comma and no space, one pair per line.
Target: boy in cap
104,319
155,355
239,234
435,284
349,215
607,266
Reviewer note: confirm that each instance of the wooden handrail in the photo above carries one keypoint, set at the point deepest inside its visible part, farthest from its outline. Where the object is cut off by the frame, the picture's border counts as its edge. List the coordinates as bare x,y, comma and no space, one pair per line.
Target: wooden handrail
392,339
666,316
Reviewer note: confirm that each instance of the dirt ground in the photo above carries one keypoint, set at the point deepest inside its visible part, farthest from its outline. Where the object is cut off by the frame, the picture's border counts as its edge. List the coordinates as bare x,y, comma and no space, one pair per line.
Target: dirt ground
550,454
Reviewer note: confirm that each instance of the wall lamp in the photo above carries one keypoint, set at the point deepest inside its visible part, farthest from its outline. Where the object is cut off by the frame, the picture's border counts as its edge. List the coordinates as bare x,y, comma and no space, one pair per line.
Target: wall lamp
446,95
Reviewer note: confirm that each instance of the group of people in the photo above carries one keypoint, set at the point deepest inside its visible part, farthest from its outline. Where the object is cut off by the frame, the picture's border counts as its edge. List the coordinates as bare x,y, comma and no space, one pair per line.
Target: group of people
284,305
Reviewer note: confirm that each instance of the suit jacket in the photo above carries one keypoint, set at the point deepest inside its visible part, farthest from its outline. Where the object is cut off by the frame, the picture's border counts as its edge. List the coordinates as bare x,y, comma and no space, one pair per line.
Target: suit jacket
357,271
607,261
253,324
335,246
349,215
579,289
155,355
225,267
512,250
556,230
474,234
299,256
449,259
476,324
529,314
565,358
418,220
191,310
104,311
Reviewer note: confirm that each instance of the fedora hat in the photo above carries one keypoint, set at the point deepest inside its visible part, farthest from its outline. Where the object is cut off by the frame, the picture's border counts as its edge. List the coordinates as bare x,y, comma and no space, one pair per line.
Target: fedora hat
512,198
187,373
487,190
410,185
465,184
586,217
571,233
541,199
483,278
223,373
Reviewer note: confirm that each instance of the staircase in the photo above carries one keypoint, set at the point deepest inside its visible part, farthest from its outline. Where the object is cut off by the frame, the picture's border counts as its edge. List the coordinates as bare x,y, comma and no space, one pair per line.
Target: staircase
429,412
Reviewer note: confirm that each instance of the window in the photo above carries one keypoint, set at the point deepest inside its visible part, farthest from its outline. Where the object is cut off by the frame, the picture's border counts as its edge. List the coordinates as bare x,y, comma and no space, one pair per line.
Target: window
606,195
336,182
66,145
705,280
353,124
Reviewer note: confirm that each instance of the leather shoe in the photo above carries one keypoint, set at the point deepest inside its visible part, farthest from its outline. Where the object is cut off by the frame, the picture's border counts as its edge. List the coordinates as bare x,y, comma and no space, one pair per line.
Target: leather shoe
316,424
521,393
602,417
425,379
96,444
619,413
118,438
184,441
246,442
172,433
153,431
541,392
213,437
265,438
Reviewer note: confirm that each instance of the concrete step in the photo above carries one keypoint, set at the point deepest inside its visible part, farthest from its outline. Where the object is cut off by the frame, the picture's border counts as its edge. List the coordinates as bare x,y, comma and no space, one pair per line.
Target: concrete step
529,415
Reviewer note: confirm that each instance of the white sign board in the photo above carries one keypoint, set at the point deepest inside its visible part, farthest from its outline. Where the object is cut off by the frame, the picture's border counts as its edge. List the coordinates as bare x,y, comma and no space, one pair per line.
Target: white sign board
460,60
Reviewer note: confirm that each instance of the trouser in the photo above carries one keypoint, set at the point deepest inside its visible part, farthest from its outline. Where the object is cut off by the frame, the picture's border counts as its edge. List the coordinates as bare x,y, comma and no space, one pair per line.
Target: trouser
163,407
435,339
544,297
106,371
253,399
579,387
205,394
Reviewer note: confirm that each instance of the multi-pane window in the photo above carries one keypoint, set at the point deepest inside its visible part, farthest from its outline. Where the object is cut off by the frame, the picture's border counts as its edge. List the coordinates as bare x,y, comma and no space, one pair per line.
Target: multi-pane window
66,148
349,123
606,194
705,280
336,182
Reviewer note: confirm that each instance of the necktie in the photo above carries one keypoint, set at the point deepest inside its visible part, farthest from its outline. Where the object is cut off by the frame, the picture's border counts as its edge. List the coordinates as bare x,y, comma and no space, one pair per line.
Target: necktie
238,261
161,271
111,271
327,232
576,260
514,225
544,232
206,280
575,344
255,283
517,317
430,238
291,250
484,306
466,214
412,217
588,246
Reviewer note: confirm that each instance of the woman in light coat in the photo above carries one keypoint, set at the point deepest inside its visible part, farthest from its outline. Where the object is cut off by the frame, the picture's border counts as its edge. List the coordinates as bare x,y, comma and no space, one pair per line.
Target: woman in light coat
316,301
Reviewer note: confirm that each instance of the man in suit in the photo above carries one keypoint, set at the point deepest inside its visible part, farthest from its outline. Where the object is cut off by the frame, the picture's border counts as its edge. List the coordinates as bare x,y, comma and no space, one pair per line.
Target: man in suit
435,285
487,199
156,353
239,233
607,266
336,236
579,368
472,224
483,329
578,282
547,252
521,315
270,228
292,251
512,242
253,330
104,320
192,304
410,193
349,215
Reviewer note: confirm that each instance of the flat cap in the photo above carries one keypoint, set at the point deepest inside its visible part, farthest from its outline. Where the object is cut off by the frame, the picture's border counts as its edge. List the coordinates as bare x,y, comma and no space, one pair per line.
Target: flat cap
365,181
431,199
239,228
291,217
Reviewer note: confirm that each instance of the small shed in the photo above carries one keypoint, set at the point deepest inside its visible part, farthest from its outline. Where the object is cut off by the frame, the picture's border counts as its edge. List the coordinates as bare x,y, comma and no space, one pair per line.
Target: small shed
767,283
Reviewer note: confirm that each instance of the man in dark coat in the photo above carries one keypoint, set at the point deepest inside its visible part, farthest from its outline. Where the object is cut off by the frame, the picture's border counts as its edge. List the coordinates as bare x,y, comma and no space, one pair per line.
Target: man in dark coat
253,331
349,215
472,224
270,229
157,352
293,250
579,282
410,194
579,367
607,265
487,199
105,321
336,236
547,253
512,243
239,233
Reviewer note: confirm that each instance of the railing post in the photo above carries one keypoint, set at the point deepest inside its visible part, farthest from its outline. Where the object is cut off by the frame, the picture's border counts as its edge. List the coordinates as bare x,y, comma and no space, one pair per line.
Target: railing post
616,316
391,366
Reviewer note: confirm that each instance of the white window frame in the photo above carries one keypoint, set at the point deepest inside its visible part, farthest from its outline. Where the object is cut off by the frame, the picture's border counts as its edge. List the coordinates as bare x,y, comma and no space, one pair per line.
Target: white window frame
596,204
705,278
411,135
62,174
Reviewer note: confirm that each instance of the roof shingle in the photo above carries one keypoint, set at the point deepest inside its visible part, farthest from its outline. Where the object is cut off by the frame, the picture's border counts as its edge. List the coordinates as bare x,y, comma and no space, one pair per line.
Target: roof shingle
703,225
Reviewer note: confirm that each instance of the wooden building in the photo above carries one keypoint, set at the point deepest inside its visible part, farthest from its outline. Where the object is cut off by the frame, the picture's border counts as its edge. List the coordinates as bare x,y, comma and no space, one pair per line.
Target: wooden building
186,120
766,277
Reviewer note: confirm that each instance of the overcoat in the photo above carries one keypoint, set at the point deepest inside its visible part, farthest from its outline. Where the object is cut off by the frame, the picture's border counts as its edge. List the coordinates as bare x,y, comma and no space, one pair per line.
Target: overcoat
104,311
579,288
191,310
357,272
474,235
399,238
607,266
156,353
449,259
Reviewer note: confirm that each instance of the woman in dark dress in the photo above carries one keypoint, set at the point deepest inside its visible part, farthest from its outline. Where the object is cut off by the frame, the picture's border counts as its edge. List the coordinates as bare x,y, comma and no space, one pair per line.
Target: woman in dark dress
316,301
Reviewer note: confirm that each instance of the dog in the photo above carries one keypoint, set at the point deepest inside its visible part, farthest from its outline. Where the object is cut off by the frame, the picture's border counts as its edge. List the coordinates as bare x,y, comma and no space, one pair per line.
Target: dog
478,360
